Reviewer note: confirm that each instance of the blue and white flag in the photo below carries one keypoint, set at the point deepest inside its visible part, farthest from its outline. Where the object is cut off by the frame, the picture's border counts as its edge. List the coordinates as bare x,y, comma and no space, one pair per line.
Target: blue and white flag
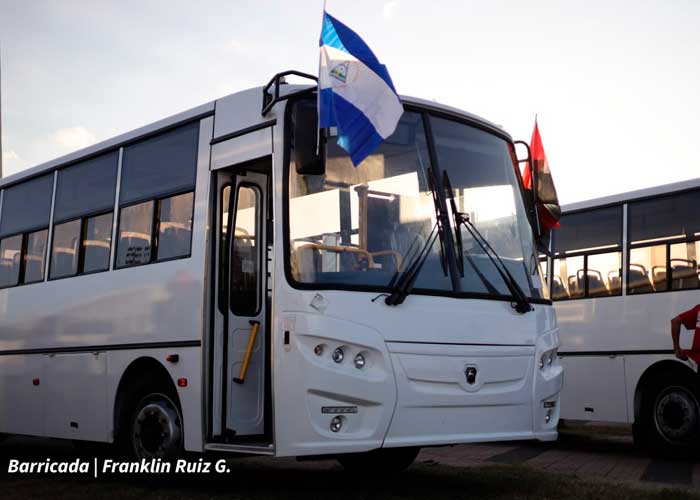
356,93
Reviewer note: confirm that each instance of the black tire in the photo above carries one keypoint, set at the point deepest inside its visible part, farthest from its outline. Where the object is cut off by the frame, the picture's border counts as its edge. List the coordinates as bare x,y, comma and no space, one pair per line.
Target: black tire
151,423
669,423
379,462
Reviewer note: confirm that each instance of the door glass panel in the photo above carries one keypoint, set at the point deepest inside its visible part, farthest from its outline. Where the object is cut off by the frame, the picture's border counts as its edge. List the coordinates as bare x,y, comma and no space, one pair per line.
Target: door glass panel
244,254
647,270
684,265
64,252
97,243
35,259
10,255
135,229
223,241
175,226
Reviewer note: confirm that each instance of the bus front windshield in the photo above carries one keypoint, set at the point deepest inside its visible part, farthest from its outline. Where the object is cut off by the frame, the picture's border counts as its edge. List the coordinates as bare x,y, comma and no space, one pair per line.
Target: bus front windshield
361,227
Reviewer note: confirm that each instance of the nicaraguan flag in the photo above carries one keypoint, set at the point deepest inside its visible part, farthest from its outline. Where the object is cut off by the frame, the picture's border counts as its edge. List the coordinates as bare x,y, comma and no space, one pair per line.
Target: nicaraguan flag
356,93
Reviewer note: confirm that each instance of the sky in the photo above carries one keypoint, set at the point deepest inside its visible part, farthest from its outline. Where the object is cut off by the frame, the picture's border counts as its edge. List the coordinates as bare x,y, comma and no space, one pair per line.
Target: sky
615,84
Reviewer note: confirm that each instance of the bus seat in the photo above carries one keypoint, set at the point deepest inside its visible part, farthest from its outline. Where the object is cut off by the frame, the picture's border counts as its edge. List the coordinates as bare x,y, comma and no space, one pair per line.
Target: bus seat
34,266
98,254
64,261
575,286
638,279
7,271
684,275
559,291
596,284
175,239
614,281
658,274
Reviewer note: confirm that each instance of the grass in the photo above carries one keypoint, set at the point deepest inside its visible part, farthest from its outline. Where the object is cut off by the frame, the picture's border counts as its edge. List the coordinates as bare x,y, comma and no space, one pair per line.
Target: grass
288,479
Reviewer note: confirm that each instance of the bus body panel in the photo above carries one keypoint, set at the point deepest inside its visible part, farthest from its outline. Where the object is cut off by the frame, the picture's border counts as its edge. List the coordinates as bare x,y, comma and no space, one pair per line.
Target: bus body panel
307,385
240,112
605,399
622,324
617,339
435,403
22,400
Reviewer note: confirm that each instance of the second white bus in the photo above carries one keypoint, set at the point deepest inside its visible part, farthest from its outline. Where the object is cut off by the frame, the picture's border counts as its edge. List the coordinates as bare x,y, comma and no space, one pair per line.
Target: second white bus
623,266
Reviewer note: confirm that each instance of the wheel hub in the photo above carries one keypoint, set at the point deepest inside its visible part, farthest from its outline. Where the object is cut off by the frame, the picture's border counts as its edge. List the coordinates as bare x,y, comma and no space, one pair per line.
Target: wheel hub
157,430
677,414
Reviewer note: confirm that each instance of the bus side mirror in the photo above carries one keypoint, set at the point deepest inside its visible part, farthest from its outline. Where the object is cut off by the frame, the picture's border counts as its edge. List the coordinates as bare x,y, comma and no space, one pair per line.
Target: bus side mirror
528,183
309,155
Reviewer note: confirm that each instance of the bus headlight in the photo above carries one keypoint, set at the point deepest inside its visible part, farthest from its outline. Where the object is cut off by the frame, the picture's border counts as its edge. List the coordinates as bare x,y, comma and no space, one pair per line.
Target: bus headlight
548,358
359,361
338,355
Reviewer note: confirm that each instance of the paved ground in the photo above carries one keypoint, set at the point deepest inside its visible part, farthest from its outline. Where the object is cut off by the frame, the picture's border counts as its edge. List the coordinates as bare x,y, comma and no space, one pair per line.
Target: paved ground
582,454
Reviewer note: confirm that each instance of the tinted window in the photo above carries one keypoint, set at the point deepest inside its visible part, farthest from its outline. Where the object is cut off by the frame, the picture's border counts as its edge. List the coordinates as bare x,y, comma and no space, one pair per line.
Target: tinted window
86,187
175,226
135,231
684,265
97,243
64,252
35,256
160,165
603,274
10,259
590,229
27,205
647,270
677,215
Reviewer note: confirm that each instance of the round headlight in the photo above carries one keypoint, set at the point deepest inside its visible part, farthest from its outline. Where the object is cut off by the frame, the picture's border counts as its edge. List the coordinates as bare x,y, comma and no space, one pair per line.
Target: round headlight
541,362
338,355
550,359
359,361
336,423
318,350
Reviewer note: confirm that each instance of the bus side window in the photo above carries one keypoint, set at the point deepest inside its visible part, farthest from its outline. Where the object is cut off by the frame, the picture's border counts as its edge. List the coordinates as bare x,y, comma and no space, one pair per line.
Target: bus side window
10,251
663,250
157,197
35,256
588,256
82,234
23,231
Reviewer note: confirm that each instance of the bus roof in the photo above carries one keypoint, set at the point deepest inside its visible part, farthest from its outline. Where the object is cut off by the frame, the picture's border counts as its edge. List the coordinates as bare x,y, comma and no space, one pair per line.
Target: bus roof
632,195
236,99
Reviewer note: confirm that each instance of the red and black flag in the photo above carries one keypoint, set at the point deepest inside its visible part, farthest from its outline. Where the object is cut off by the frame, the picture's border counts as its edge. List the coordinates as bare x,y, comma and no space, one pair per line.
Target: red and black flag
548,209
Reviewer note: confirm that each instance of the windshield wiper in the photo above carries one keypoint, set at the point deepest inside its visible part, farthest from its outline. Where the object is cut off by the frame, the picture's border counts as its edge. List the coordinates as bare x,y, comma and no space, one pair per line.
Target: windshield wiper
521,302
403,284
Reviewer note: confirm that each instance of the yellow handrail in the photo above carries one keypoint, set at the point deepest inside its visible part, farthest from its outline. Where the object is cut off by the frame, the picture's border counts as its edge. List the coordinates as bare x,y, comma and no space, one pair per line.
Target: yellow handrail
246,360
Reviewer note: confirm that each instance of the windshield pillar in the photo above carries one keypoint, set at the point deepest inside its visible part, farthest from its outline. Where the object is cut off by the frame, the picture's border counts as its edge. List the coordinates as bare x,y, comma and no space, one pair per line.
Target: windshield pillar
449,243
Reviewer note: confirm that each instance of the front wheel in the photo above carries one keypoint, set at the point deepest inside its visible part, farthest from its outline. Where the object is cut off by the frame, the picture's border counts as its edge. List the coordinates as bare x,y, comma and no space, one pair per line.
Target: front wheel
671,416
154,428
380,461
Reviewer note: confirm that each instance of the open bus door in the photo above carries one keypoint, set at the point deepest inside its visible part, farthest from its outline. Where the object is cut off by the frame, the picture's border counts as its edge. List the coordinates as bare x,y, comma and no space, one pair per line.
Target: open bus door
240,347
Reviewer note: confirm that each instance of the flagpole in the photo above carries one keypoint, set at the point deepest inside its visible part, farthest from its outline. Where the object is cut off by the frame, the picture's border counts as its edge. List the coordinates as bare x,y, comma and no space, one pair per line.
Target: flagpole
318,89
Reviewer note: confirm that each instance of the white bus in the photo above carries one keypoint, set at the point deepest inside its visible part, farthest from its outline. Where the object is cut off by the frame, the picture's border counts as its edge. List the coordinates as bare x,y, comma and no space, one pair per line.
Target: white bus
209,282
623,266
